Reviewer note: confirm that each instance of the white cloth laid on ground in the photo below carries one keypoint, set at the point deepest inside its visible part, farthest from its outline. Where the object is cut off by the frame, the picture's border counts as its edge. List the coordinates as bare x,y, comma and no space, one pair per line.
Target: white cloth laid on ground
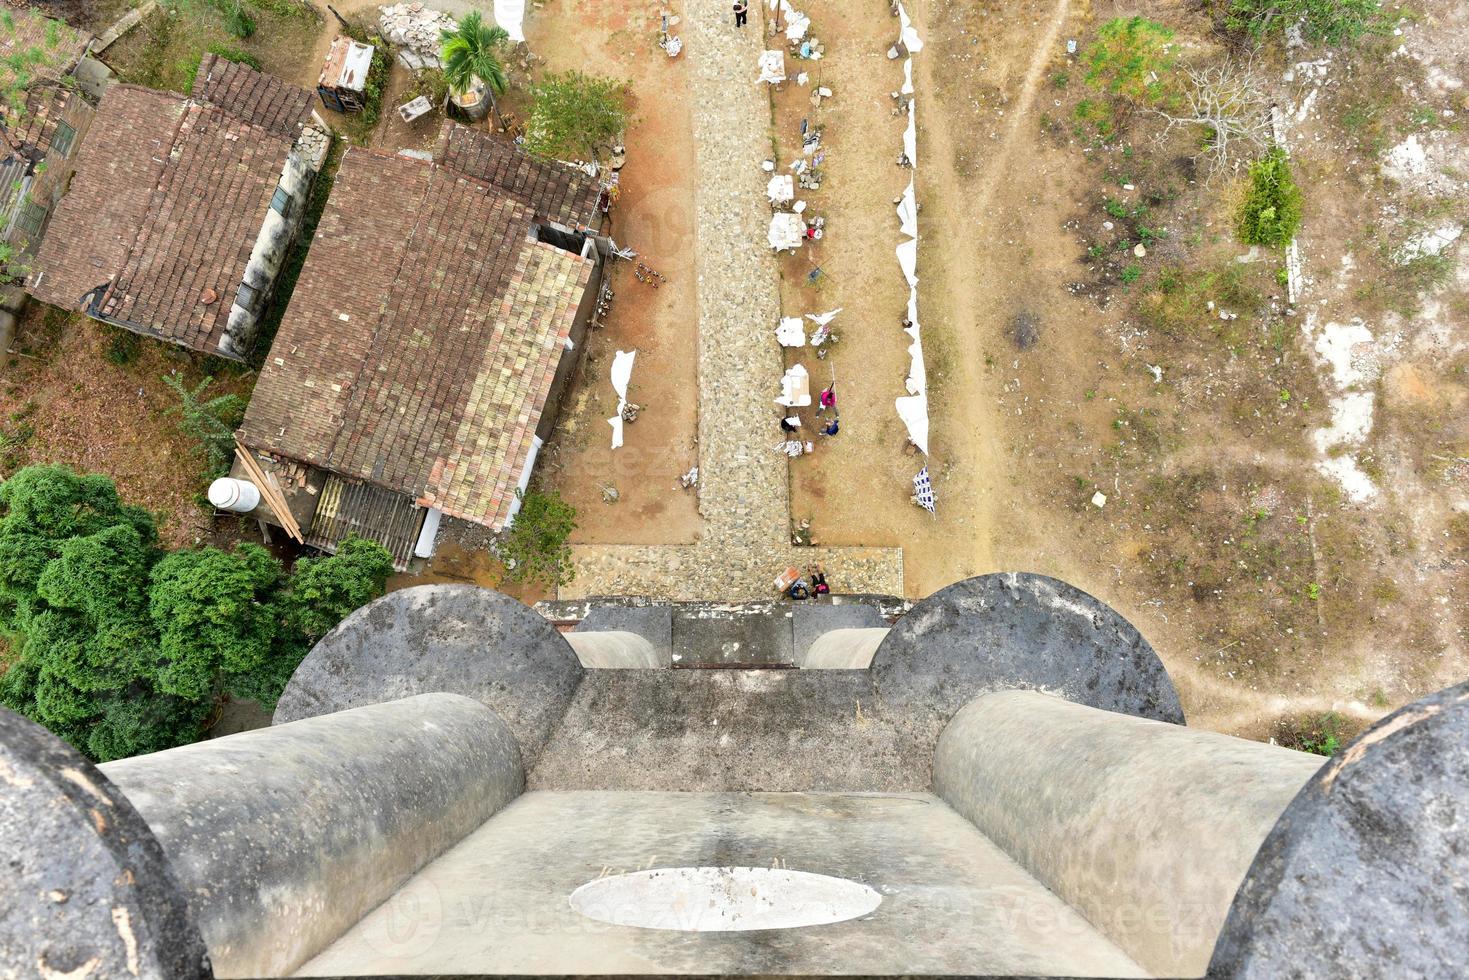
786,231
794,448
908,259
791,332
621,375
797,24
911,40
510,14
782,188
910,136
795,388
907,88
822,319
913,410
908,212
772,67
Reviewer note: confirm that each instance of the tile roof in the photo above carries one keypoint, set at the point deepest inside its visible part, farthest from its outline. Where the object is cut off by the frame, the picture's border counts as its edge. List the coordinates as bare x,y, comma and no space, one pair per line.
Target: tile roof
34,47
266,101
421,340
167,201
553,190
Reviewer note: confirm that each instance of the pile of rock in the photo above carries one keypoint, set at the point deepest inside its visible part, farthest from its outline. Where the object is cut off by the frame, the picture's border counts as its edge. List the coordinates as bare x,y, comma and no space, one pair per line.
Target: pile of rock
415,30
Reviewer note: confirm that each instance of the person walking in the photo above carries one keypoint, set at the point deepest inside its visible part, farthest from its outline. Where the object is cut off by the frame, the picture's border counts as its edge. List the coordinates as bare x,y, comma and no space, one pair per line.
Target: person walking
741,11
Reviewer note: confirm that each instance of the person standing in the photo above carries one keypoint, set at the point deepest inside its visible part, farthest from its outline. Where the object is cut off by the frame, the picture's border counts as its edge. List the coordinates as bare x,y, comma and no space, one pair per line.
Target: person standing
741,11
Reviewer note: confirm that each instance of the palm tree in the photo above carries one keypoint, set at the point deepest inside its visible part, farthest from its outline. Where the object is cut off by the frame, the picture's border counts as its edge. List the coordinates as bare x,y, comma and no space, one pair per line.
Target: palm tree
472,54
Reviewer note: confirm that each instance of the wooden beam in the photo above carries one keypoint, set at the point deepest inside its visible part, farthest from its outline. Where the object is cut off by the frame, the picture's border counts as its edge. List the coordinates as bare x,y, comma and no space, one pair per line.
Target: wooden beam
271,490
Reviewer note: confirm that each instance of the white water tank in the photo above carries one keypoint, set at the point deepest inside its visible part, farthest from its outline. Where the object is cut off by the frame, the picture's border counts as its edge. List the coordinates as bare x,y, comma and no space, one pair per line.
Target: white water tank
239,496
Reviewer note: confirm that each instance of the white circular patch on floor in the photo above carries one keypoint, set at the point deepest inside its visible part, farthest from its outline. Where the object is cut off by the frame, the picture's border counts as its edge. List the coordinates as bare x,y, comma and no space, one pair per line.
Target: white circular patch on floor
723,899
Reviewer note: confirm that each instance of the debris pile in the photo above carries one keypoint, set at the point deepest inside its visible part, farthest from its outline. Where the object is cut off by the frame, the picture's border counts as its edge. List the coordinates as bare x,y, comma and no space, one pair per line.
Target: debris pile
415,31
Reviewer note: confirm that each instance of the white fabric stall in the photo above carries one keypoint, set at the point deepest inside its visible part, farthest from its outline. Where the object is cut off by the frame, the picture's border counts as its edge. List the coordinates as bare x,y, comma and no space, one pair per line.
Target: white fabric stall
621,375
787,231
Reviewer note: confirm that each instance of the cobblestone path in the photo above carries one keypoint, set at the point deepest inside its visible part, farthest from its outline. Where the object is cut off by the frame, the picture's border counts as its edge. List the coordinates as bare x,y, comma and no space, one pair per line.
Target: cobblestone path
744,494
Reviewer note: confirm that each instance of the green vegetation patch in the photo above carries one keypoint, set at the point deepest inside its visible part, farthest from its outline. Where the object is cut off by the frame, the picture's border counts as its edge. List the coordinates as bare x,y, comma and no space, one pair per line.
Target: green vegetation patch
1271,212
123,648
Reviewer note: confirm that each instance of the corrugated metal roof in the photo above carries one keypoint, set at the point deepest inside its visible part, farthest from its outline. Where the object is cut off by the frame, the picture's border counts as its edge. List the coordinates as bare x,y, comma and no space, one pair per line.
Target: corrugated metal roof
345,508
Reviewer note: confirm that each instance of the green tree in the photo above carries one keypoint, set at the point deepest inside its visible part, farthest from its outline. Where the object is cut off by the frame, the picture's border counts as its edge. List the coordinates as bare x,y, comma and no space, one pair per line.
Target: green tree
1131,58
535,548
1322,21
209,422
43,508
1271,212
74,565
576,116
122,649
324,590
472,53
216,618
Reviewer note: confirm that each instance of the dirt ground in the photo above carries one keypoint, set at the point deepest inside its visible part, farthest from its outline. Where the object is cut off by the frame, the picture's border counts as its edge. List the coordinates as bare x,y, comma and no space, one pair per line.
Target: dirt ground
1271,597
653,216
63,400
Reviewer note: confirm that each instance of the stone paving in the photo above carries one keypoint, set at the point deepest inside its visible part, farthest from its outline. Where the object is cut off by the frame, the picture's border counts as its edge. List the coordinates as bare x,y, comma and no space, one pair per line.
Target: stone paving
744,484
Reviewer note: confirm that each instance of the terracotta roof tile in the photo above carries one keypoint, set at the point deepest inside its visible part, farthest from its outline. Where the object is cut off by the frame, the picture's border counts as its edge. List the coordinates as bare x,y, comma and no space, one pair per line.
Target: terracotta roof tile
554,191
419,347
268,102
167,201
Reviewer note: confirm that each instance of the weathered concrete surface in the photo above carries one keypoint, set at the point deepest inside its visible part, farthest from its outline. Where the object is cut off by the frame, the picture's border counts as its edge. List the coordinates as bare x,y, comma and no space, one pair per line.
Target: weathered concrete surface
733,730
744,483
771,730
1145,828
284,837
456,638
732,633
86,890
1025,631
652,621
845,649
952,902
615,650
811,619
1367,873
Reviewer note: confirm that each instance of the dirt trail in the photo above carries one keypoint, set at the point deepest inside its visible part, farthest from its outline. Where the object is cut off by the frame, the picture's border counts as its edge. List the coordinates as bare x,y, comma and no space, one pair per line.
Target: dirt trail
964,287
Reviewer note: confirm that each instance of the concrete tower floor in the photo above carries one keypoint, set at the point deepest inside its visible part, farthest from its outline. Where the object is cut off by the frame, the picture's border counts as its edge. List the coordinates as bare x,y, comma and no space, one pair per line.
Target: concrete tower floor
952,902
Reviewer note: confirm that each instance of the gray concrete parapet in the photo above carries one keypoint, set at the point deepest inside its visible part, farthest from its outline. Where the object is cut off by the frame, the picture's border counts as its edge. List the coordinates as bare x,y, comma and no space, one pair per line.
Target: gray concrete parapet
843,649
1367,872
284,837
85,890
1145,828
614,650
456,638
1019,630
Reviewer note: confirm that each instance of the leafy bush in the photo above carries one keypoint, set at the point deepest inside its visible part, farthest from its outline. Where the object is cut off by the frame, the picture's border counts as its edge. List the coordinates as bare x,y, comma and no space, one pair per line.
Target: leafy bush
575,116
125,649
1323,21
324,590
1130,58
1271,213
535,547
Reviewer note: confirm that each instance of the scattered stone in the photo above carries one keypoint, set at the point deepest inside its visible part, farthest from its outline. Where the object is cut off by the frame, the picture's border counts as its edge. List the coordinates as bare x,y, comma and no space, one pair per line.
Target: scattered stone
1099,499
